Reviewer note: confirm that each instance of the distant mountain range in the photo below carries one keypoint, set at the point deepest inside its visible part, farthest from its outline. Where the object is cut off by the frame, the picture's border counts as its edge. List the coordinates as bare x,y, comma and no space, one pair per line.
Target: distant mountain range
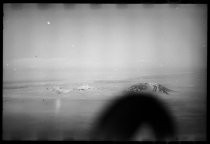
149,87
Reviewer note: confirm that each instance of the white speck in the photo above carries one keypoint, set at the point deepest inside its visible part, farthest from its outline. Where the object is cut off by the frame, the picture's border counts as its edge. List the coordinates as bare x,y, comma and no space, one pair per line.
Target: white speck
14,69
72,45
7,65
48,22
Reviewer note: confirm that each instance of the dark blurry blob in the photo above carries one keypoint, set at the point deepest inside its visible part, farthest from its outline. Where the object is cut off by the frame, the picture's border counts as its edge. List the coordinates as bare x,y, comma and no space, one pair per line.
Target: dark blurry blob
127,114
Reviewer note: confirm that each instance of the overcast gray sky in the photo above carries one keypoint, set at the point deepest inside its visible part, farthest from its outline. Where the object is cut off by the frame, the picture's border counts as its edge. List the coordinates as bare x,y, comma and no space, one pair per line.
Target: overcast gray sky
45,42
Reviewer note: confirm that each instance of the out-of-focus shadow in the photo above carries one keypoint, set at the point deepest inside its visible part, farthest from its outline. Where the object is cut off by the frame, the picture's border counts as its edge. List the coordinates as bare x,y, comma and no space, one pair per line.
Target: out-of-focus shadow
127,114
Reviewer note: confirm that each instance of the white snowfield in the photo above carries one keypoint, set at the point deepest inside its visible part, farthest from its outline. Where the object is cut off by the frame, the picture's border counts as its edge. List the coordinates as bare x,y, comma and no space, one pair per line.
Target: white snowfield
60,90
84,87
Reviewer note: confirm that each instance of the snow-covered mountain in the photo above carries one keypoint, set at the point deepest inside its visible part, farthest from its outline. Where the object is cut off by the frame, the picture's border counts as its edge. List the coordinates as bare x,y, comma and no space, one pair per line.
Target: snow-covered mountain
149,87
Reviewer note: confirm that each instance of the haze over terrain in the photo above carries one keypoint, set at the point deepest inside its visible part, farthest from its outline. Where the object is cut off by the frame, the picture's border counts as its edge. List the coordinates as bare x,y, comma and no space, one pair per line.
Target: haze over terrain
63,65
105,41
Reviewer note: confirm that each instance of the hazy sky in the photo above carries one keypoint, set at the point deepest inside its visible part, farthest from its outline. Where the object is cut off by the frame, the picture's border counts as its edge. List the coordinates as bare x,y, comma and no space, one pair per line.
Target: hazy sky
47,41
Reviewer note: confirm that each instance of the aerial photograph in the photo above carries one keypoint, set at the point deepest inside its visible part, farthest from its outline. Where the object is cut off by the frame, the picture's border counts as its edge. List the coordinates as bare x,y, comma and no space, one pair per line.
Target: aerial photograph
104,72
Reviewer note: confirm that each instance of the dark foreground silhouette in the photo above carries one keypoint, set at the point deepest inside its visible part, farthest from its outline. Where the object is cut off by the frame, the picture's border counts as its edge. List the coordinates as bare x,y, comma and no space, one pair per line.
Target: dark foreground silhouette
127,114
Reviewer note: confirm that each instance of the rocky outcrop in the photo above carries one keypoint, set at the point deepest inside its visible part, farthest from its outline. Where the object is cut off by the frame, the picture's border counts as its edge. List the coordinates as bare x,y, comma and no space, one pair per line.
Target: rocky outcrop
149,87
